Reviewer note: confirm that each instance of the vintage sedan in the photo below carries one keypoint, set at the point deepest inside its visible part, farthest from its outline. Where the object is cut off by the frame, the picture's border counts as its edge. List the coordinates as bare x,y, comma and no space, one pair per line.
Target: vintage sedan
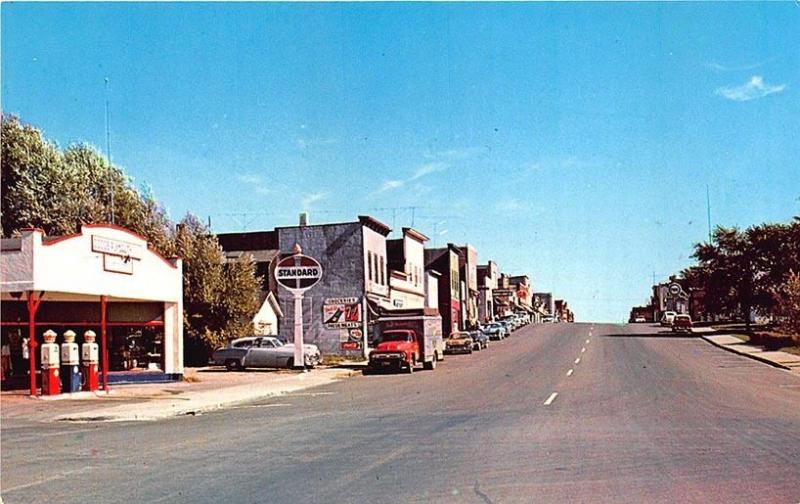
263,352
480,339
496,331
458,342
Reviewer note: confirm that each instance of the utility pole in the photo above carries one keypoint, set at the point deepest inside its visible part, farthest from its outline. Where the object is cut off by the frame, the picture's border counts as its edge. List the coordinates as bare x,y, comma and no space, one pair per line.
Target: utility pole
108,153
708,212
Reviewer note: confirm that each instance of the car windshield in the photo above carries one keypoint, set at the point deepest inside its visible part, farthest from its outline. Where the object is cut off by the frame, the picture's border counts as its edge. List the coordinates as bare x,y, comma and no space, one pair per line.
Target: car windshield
396,336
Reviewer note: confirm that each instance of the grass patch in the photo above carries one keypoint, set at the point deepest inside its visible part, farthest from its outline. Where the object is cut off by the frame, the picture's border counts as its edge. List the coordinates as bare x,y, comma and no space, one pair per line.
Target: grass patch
764,336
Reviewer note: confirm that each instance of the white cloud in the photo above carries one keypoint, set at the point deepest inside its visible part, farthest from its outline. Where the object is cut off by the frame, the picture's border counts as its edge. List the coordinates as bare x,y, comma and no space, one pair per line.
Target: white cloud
248,178
509,205
753,89
427,169
391,184
457,154
313,198
719,67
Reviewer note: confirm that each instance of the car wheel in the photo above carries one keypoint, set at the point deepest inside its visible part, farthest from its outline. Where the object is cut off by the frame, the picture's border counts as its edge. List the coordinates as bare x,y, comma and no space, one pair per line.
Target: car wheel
233,365
431,365
290,363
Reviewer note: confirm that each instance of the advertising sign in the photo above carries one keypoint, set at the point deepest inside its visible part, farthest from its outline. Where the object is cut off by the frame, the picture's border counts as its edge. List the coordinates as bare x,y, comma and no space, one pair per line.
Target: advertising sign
298,272
354,340
342,313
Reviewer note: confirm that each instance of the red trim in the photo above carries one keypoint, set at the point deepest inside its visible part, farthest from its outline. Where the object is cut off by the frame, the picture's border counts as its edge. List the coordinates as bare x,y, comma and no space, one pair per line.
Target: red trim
104,341
60,239
33,229
118,228
107,226
86,323
33,305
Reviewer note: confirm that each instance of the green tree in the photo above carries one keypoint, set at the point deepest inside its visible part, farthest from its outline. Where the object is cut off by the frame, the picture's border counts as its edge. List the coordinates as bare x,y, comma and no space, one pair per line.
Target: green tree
57,191
220,297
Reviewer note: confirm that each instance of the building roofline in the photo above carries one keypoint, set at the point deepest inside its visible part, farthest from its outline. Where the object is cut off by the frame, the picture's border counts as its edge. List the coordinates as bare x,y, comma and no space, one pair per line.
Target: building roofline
415,234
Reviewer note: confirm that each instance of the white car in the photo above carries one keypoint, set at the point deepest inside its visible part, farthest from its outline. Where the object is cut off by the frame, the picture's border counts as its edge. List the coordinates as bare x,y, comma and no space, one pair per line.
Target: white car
262,351
667,318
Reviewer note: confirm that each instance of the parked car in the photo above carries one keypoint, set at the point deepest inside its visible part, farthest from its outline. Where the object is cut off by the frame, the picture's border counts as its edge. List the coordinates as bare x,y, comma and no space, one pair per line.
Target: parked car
640,319
666,319
480,339
496,331
682,323
458,342
548,319
264,352
508,325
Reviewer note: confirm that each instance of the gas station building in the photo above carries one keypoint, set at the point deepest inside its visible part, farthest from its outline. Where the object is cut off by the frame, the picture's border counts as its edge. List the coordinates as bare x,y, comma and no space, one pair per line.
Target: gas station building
106,279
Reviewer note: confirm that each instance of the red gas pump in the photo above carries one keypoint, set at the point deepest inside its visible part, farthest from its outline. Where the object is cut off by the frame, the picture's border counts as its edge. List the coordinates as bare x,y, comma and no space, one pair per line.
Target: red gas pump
51,383
89,359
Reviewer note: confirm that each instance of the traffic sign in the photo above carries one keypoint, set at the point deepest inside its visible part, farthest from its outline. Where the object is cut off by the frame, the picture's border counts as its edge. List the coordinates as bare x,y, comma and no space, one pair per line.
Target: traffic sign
675,289
298,272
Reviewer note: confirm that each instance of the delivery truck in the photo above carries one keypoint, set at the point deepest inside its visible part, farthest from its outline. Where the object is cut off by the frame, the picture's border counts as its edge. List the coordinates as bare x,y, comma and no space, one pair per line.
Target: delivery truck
405,340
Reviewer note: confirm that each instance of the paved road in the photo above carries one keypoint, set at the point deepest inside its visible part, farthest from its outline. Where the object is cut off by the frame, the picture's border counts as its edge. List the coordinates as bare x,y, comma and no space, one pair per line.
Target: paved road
641,418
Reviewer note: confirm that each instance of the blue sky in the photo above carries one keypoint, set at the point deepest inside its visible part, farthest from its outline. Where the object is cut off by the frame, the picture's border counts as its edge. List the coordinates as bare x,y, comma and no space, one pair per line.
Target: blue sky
572,142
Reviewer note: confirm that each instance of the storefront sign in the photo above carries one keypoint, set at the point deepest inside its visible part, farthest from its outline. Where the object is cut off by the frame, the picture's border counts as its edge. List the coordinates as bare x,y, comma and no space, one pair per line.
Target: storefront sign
117,264
342,313
116,247
298,272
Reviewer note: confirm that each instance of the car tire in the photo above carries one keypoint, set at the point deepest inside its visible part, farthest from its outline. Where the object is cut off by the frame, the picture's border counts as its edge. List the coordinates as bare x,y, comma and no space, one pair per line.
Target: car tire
290,363
431,365
233,365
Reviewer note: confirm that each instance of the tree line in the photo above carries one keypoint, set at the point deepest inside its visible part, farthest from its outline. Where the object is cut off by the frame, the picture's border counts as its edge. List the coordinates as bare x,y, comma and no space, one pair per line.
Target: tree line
57,190
751,271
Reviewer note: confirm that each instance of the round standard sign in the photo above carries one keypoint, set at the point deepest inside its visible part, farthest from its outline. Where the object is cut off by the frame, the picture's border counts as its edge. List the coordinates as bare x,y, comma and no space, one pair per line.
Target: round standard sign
298,272
675,289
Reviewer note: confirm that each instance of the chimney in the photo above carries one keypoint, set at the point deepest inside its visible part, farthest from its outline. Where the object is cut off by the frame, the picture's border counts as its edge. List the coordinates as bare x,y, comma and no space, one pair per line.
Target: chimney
303,219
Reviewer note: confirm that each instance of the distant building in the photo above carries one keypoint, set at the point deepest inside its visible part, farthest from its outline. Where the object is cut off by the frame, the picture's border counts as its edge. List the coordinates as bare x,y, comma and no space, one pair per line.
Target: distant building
563,313
406,259
353,291
445,261
468,270
545,302
505,297
487,282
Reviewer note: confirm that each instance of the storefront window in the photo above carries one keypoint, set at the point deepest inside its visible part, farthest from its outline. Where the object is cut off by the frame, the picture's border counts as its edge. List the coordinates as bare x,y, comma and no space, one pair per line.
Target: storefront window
135,348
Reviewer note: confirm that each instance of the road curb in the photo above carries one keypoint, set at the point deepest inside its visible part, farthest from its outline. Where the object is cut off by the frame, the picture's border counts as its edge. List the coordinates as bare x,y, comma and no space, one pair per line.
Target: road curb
205,402
731,349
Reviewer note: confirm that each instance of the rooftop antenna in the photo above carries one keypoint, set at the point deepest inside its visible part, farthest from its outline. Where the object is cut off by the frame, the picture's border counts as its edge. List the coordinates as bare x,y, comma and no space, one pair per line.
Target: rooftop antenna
108,153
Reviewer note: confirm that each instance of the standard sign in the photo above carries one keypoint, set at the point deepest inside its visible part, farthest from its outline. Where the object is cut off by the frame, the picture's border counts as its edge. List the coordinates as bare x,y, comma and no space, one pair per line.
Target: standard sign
298,272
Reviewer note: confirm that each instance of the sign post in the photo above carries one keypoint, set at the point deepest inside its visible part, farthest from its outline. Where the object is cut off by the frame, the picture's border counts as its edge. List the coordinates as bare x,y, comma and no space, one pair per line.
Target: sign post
298,273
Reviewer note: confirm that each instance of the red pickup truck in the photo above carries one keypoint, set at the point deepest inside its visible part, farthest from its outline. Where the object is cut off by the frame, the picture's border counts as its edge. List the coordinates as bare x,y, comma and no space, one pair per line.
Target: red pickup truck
405,342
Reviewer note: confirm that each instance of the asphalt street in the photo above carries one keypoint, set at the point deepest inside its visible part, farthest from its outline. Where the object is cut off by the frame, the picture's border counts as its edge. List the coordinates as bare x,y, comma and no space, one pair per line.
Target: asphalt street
555,413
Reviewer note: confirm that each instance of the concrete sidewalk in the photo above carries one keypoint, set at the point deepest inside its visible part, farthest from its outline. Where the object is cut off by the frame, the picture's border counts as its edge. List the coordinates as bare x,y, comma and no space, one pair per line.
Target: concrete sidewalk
783,360
204,389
